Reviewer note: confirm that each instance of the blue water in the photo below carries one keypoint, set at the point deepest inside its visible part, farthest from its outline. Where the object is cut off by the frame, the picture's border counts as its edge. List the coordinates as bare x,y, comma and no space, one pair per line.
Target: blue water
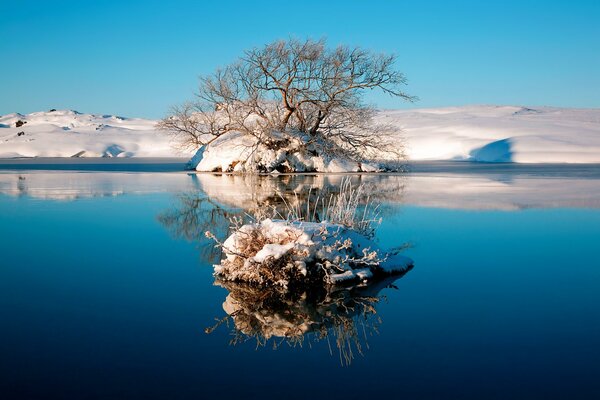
100,298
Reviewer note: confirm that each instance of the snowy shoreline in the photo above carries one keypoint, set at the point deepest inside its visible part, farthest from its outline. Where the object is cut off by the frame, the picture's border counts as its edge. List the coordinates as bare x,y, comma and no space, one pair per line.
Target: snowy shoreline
508,134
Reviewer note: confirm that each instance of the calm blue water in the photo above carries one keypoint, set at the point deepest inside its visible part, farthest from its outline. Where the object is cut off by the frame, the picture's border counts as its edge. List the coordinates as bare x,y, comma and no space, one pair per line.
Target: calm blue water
106,292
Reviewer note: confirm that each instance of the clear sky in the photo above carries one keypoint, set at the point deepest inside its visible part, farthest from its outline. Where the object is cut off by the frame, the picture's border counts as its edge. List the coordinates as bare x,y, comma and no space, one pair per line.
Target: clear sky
137,58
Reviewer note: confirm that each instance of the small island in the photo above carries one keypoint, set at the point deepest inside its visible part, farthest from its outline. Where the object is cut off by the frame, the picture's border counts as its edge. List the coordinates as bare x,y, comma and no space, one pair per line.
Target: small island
328,242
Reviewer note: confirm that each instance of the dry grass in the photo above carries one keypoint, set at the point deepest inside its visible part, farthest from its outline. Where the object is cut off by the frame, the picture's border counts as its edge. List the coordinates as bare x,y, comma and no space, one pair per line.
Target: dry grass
351,207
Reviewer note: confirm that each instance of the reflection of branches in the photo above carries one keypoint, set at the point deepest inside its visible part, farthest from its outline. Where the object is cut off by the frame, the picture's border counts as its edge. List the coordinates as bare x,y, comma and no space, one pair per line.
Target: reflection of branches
224,196
272,314
195,214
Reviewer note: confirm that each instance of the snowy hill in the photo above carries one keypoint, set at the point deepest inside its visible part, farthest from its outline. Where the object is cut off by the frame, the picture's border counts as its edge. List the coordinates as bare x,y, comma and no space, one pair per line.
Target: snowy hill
500,134
479,133
66,133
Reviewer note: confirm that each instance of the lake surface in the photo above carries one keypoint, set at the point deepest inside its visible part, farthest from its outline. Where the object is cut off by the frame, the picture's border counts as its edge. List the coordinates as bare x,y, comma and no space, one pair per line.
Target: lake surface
106,290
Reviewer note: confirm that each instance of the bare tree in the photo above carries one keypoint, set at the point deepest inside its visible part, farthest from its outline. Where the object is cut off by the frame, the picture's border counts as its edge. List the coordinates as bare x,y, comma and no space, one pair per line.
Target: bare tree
298,88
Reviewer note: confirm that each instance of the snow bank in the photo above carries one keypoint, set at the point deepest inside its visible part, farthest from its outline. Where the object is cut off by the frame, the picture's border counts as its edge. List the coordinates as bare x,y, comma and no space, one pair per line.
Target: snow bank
500,133
275,252
67,133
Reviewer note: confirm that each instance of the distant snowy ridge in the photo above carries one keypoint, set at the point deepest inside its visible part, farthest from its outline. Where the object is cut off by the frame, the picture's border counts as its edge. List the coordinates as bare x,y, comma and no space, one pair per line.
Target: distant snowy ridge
478,133
500,133
67,133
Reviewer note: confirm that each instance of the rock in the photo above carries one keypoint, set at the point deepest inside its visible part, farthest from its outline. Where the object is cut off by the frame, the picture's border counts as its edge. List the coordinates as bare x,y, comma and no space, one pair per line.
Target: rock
20,133
20,123
52,110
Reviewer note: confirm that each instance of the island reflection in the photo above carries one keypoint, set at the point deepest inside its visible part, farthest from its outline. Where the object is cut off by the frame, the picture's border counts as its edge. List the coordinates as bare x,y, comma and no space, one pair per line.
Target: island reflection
343,316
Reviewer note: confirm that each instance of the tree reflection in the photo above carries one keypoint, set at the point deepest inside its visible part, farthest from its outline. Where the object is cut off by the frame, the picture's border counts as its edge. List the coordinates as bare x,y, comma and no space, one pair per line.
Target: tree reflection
195,213
219,197
344,317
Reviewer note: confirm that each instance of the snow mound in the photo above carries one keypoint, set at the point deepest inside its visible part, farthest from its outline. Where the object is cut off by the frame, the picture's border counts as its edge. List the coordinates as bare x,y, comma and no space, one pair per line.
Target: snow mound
68,133
276,252
234,152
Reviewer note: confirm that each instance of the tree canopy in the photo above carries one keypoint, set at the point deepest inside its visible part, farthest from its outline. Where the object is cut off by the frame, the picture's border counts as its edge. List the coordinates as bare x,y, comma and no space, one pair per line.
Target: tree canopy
293,87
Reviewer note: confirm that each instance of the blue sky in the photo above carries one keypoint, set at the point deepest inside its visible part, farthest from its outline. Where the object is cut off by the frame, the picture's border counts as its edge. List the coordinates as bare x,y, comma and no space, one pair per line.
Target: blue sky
137,58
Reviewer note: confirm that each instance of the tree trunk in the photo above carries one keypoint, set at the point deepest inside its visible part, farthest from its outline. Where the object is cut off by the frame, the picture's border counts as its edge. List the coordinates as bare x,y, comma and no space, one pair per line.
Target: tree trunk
315,127
286,117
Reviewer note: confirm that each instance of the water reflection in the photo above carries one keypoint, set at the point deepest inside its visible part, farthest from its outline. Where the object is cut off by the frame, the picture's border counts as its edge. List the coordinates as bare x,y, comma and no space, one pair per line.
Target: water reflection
195,213
519,188
217,198
344,317
251,191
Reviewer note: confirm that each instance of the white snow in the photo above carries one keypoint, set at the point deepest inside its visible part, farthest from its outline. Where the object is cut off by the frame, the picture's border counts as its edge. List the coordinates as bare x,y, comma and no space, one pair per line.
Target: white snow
225,152
234,152
476,133
342,253
479,133
67,133
500,133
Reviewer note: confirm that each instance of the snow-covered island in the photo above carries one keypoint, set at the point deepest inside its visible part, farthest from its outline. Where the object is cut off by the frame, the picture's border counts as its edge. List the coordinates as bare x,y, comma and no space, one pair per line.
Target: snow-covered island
318,241
277,252
476,133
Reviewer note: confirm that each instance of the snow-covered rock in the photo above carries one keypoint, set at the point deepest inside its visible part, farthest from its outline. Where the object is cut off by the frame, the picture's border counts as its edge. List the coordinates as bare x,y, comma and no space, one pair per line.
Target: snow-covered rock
234,152
276,252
